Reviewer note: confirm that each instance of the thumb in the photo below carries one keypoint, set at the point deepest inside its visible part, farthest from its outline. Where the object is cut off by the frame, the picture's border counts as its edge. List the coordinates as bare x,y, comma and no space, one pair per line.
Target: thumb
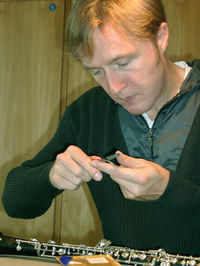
128,161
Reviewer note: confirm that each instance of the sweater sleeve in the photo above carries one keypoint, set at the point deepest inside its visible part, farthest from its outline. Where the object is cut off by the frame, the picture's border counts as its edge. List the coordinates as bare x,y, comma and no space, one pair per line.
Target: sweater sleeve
28,192
182,195
182,198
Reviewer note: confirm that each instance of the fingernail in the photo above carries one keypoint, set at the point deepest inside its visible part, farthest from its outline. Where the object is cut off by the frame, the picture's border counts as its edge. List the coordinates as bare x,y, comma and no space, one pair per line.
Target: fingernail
98,176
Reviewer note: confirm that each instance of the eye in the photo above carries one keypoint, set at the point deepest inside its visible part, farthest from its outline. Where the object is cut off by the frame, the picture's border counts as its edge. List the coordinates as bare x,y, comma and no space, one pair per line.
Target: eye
123,63
96,72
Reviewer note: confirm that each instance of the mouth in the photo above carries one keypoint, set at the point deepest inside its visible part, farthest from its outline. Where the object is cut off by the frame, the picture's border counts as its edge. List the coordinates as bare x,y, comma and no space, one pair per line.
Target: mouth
129,98
124,100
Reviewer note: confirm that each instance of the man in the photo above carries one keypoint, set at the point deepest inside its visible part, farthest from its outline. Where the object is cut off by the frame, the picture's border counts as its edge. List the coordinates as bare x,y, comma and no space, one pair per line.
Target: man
146,110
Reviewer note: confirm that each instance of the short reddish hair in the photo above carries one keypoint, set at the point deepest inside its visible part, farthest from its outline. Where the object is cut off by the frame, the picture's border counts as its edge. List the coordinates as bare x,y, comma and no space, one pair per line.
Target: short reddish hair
141,19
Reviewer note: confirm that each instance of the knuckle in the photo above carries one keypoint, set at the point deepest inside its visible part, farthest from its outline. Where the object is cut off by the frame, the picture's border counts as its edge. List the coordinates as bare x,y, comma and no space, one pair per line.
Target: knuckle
56,168
71,187
76,181
60,157
132,197
86,178
71,148
139,191
79,172
56,181
126,196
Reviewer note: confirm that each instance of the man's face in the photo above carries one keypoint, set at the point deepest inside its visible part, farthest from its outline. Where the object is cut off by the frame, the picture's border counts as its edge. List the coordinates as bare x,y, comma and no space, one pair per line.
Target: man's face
130,71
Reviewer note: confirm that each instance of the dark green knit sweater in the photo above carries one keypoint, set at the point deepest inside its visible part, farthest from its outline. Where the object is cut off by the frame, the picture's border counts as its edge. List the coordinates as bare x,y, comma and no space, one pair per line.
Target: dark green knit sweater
172,222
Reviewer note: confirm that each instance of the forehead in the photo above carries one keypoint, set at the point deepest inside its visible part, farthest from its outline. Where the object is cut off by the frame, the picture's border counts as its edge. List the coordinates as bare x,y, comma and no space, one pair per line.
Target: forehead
109,32
110,43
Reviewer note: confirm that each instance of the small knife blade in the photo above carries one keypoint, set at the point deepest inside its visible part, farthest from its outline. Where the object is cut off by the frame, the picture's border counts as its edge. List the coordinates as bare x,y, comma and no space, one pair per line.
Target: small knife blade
109,158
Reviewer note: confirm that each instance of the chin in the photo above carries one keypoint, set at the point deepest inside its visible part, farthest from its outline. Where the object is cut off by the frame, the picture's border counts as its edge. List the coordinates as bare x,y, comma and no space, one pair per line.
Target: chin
134,111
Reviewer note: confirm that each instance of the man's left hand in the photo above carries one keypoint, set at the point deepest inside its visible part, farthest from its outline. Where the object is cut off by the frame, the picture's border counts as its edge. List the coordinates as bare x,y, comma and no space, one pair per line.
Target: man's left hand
138,179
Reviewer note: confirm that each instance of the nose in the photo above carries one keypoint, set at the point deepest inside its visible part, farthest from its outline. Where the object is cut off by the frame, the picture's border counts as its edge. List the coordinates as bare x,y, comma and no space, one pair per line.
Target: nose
114,82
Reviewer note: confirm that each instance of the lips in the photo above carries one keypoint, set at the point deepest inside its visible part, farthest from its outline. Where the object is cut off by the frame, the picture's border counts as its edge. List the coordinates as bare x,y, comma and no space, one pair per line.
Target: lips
127,99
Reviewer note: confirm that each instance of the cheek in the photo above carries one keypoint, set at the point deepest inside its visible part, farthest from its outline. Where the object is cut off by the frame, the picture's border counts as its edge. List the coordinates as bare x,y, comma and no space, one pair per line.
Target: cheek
130,78
135,80
148,77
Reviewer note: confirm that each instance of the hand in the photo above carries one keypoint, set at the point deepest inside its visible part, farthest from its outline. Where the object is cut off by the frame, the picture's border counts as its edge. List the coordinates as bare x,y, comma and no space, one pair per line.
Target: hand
72,168
138,179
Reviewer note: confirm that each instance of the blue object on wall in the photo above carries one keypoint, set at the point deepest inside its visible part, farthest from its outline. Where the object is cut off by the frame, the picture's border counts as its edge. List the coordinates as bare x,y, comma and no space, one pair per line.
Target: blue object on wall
52,7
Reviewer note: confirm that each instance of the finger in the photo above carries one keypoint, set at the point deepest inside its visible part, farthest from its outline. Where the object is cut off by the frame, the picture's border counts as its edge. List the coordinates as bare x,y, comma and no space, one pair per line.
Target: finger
118,172
129,161
63,183
94,157
84,161
133,191
62,178
68,167
105,167
130,188
126,193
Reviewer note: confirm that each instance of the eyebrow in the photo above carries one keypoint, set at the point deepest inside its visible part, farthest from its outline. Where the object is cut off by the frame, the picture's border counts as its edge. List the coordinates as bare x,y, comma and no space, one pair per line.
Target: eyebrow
118,58
89,68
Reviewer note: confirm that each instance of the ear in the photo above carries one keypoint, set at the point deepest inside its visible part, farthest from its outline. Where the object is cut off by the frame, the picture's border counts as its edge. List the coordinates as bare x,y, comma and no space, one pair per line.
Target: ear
163,37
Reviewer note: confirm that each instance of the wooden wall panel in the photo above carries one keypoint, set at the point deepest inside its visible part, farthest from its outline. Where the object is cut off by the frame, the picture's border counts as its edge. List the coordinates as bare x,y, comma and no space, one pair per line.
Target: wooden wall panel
183,20
79,80
80,222
31,42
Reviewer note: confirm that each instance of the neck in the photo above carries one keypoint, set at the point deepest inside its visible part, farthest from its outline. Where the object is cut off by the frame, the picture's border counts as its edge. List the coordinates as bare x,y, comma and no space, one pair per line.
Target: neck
172,82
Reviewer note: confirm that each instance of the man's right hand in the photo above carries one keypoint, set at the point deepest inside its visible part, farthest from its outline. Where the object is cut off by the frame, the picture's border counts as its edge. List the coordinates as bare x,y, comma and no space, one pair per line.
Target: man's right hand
72,168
